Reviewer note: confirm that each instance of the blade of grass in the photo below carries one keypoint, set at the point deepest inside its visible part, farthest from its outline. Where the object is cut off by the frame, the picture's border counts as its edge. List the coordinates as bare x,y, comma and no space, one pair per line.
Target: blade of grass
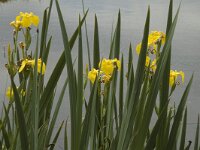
55,114
164,91
79,89
89,121
128,120
151,143
42,136
87,41
130,58
116,39
45,25
65,138
5,135
183,132
21,118
46,51
52,82
35,99
72,80
96,53
56,136
43,38
196,144
178,117
121,91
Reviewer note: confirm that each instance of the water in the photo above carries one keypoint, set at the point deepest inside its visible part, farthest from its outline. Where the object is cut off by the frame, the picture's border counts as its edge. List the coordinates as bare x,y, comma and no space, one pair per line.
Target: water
185,55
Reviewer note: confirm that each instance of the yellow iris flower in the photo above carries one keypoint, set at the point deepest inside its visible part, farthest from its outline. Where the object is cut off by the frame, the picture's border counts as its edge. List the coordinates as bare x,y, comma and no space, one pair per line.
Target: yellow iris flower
27,62
108,65
174,75
107,68
25,20
157,36
153,39
16,24
92,75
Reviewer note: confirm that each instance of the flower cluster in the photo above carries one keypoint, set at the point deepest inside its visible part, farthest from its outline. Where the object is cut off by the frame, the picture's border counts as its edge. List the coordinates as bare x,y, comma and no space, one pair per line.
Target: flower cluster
30,63
155,39
107,67
25,20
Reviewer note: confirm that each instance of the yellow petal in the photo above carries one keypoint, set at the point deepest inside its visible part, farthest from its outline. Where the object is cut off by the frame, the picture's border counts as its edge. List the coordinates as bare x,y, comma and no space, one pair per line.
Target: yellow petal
92,75
182,76
18,18
138,48
24,62
26,22
107,66
43,67
35,20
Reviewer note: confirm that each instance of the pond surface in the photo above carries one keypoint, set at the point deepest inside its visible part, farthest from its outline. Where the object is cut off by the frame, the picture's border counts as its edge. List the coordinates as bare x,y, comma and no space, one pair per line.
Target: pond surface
186,49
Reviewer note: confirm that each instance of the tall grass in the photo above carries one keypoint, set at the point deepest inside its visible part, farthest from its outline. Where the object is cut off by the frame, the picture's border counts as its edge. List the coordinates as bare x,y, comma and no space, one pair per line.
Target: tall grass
112,120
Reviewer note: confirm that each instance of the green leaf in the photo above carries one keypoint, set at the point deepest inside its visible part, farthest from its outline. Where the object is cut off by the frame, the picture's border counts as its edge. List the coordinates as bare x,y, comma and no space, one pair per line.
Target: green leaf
65,138
196,144
178,117
44,31
164,91
151,143
128,119
21,118
96,53
116,39
121,91
130,58
183,132
45,25
42,136
46,51
87,39
56,136
55,114
52,82
72,80
89,119
79,102
5,135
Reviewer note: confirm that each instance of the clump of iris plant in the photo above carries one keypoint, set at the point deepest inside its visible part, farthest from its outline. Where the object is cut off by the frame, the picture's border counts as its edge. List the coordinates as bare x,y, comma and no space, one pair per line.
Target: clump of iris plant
155,40
20,60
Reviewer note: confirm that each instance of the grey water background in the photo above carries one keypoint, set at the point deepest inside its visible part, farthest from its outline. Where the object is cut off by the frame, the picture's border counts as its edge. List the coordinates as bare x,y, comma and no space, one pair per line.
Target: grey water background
185,48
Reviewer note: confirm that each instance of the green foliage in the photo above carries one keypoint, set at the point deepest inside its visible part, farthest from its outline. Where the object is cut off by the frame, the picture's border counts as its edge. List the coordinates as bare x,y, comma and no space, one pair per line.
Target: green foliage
108,119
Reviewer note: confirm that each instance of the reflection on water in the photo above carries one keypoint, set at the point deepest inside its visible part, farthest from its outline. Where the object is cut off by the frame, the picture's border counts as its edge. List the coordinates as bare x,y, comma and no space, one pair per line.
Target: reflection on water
185,55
